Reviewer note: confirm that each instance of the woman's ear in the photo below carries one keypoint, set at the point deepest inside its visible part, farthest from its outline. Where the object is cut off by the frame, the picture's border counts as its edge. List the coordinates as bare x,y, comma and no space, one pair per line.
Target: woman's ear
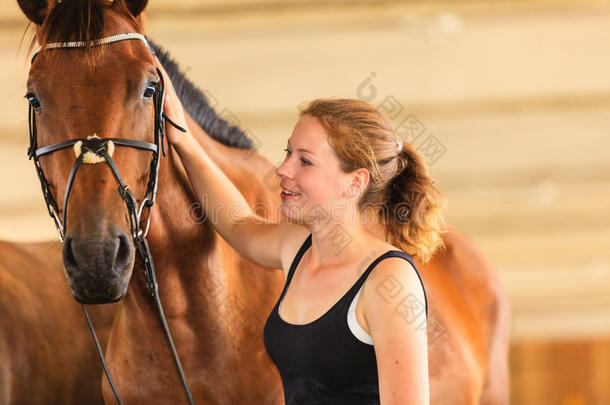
34,10
359,179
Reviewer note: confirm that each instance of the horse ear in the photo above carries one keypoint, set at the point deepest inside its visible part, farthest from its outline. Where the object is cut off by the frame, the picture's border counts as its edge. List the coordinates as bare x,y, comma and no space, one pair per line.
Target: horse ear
136,6
34,10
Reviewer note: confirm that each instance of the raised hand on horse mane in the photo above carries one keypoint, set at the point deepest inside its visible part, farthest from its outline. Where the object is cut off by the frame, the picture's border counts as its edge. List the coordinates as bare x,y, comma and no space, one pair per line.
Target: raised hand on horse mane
376,356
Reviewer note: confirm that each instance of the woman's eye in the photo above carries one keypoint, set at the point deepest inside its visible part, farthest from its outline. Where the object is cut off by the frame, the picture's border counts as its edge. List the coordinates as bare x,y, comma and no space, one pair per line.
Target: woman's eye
149,91
34,101
303,160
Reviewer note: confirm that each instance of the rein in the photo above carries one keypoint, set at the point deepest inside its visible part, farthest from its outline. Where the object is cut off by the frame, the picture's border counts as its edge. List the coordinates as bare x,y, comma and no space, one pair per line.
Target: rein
101,149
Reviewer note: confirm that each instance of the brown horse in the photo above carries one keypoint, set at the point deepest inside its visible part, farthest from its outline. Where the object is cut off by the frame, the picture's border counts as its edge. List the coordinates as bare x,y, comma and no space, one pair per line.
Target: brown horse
47,355
215,300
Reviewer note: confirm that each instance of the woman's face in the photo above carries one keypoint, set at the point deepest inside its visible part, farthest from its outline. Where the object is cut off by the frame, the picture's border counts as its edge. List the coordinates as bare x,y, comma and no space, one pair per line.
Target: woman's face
311,170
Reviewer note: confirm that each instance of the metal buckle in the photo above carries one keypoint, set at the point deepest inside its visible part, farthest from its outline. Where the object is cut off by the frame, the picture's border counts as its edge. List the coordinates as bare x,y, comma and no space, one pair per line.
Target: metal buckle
140,211
58,225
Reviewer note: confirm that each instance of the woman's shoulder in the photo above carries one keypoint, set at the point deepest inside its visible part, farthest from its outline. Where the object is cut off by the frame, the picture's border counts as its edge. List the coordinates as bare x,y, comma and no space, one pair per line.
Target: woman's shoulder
392,280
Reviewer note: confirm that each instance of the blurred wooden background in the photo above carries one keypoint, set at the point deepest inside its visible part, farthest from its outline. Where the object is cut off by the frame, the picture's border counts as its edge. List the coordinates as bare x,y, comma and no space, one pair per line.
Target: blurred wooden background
515,95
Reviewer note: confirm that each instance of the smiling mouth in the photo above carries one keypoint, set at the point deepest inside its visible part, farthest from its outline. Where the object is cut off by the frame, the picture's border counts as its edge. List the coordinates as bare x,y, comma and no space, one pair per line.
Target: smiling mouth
288,194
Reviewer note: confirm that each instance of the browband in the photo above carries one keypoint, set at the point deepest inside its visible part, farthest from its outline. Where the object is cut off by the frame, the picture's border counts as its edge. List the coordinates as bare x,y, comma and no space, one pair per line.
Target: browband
97,42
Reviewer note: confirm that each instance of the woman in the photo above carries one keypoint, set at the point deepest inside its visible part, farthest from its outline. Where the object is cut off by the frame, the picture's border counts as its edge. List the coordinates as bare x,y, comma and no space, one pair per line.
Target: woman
355,199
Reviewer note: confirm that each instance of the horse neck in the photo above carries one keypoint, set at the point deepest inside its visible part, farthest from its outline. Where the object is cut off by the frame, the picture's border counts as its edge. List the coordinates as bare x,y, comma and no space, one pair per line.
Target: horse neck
183,244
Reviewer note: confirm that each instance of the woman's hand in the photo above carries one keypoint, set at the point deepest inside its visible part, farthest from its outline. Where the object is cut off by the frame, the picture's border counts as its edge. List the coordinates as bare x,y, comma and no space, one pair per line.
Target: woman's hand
173,109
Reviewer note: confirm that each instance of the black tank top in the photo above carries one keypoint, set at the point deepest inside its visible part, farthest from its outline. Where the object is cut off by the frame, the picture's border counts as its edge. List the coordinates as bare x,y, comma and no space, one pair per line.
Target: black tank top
322,362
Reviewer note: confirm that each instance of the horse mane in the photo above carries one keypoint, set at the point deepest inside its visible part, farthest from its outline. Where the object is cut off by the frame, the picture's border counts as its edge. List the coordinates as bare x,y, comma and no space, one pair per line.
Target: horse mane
83,20
198,106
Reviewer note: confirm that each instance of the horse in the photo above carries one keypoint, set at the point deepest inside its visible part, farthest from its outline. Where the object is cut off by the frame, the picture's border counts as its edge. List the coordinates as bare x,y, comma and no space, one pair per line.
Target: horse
215,299
46,349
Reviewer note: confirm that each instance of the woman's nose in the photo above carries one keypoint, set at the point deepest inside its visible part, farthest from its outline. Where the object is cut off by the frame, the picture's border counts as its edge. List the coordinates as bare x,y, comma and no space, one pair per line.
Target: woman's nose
283,170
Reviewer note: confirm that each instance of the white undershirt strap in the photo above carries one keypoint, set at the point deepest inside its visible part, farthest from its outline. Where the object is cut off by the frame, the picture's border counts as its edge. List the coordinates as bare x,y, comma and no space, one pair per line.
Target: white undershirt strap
352,322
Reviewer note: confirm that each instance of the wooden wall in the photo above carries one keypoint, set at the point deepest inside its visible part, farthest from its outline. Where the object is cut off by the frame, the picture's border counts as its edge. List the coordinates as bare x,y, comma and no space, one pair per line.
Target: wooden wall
557,372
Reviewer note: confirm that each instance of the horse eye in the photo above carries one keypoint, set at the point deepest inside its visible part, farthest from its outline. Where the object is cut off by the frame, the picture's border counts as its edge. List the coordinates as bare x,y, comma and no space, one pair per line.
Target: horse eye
34,102
149,91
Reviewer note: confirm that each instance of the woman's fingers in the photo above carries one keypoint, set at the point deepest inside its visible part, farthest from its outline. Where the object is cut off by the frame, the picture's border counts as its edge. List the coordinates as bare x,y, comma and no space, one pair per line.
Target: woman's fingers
172,102
172,108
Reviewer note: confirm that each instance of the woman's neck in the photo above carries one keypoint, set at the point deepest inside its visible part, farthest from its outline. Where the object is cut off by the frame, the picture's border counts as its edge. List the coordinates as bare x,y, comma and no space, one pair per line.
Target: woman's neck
337,241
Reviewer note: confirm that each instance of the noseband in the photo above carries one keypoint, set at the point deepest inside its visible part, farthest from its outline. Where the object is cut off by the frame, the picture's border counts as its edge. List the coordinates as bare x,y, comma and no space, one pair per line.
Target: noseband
99,150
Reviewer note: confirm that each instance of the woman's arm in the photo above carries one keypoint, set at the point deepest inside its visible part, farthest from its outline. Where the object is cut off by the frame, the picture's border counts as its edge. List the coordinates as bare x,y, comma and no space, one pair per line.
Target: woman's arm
394,311
226,208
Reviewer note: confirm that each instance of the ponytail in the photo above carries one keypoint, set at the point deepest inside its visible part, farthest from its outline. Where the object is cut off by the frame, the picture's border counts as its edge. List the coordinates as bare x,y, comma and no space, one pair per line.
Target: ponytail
413,207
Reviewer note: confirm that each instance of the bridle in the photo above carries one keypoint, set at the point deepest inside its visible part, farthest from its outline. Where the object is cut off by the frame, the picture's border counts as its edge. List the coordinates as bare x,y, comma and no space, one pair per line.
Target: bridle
99,147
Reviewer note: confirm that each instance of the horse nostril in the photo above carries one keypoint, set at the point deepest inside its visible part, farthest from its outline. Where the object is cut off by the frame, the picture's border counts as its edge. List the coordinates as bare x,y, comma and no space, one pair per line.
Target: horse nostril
123,257
69,259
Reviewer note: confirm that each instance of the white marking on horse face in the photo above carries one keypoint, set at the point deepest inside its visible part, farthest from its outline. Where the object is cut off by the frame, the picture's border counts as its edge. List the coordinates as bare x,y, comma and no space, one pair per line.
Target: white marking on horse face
90,157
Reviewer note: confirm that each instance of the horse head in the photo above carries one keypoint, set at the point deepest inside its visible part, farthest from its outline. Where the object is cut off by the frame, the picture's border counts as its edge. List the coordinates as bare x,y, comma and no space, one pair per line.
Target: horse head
86,93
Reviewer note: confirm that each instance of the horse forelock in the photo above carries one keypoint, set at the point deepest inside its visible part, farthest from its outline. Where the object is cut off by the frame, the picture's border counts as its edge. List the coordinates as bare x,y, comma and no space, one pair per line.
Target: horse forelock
81,20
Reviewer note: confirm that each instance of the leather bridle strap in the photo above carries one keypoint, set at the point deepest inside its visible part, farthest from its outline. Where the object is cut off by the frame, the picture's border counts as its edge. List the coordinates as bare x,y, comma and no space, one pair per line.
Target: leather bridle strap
99,147
117,141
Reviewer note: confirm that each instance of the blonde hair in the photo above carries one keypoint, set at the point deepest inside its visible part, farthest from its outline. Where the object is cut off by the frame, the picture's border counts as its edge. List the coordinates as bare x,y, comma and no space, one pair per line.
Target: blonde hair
400,190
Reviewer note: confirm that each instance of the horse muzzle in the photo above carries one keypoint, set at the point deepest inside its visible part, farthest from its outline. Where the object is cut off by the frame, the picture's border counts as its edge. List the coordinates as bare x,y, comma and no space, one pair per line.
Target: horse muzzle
98,269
